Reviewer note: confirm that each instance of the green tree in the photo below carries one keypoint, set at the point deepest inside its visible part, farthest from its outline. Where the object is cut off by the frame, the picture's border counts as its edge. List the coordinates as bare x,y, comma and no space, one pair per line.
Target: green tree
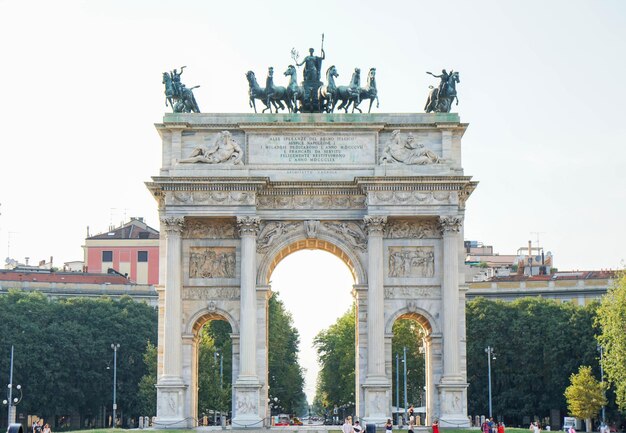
538,345
63,356
585,395
336,355
214,367
611,319
286,378
408,333
147,393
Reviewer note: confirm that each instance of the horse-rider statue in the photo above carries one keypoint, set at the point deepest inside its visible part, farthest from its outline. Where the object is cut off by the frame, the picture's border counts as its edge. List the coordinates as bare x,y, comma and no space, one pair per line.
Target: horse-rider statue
179,97
440,98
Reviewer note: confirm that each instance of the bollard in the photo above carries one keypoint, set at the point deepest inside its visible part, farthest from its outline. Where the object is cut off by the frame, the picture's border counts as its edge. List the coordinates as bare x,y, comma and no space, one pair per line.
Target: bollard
141,422
370,427
15,428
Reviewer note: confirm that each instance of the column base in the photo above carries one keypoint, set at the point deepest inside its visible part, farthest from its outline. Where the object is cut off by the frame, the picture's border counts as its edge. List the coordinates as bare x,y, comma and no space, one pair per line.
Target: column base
453,404
377,400
247,406
171,413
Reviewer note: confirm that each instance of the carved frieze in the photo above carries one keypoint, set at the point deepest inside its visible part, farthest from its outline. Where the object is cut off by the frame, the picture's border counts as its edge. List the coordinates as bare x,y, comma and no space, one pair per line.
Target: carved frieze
270,231
411,292
349,231
311,202
199,228
409,197
212,262
412,229
411,262
209,293
212,198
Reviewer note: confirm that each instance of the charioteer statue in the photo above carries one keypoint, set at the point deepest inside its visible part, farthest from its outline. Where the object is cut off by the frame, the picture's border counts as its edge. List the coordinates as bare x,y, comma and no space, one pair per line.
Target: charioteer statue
177,95
311,76
440,98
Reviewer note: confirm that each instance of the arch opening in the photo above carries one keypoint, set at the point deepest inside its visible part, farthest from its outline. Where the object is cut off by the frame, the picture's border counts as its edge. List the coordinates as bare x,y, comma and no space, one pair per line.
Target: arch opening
212,368
315,285
410,368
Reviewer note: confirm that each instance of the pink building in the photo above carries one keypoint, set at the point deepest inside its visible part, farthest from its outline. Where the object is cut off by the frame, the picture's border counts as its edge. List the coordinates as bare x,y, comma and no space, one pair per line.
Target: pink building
132,250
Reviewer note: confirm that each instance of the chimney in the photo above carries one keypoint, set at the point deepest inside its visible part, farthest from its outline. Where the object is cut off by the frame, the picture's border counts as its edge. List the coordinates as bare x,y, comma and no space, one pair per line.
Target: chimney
26,260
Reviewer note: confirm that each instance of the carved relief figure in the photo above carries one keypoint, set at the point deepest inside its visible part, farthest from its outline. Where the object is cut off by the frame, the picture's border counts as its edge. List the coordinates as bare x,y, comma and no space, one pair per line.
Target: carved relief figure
311,227
212,262
246,403
406,229
209,229
411,262
350,231
407,151
225,150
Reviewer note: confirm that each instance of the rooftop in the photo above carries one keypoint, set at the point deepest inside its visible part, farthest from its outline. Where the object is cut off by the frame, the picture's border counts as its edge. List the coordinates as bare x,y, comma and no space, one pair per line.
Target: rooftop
47,276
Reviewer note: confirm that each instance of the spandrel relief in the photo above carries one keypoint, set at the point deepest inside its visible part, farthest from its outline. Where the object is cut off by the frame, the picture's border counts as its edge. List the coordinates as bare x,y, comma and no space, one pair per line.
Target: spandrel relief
212,262
411,262
351,232
273,230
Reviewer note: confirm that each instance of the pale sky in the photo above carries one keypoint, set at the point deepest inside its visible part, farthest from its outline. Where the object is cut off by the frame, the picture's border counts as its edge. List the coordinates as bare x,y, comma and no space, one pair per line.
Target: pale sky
541,88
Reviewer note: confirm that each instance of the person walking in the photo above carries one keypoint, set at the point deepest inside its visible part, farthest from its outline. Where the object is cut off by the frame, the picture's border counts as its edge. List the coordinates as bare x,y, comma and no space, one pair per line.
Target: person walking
46,428
500,427
356,427
411,424
435,427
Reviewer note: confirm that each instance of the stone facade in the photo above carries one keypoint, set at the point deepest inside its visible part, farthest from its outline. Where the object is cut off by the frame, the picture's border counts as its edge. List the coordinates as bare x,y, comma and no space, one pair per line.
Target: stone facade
385,193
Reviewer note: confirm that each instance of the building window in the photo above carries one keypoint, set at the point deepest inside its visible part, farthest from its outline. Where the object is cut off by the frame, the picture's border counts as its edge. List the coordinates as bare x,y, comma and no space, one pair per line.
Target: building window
142,256
107,256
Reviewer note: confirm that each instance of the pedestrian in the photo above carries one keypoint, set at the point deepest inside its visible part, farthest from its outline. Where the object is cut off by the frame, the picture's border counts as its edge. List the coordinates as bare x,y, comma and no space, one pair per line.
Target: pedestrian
485,426
500,427
388,426
347,426
46,428
356,427
411,410
411,424
435,427
571,429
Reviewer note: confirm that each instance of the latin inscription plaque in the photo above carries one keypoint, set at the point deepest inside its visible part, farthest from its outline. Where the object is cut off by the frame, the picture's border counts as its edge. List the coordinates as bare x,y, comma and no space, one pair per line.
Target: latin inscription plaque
314,148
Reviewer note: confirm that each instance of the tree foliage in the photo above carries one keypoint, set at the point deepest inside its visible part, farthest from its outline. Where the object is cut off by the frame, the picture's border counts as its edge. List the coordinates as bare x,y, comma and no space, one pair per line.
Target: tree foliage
214,367
286,378
585,395
63,355
538,345
336,355
408,333
611,320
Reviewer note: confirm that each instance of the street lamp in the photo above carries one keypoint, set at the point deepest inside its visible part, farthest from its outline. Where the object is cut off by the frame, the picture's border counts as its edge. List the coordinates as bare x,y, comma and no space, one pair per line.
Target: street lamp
114,347
490,356
405,396
11,401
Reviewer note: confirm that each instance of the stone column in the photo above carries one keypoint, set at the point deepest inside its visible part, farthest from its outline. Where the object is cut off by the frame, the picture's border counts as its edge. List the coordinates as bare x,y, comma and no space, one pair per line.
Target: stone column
248,229
172,356
375,298
172,410
452,386
450,228
377,387
246,402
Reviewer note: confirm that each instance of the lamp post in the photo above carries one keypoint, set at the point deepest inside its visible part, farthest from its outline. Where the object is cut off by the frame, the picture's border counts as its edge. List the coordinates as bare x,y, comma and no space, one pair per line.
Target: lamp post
405,396
490,356
11,401
601,350
114,347
397,389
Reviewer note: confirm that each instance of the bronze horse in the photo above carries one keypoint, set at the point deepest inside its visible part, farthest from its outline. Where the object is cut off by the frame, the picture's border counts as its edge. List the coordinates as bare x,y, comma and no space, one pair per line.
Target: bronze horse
257,92
326,93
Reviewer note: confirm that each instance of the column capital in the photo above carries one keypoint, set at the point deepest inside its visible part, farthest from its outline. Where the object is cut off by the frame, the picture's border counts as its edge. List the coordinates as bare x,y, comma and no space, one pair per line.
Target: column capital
248,225
173,225
374,224
450,224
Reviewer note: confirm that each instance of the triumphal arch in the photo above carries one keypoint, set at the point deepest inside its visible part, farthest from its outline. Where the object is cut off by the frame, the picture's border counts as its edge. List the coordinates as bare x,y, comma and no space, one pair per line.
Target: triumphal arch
385,193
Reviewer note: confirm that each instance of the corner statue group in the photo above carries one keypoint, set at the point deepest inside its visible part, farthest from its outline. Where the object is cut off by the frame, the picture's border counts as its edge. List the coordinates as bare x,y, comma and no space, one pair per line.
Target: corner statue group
177,96
440,98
